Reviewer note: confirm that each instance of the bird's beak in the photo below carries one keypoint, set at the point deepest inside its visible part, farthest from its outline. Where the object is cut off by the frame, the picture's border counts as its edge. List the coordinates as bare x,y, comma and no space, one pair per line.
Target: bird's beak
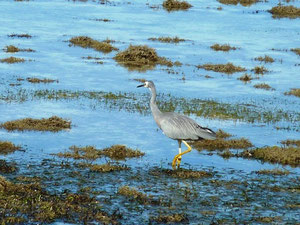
142,85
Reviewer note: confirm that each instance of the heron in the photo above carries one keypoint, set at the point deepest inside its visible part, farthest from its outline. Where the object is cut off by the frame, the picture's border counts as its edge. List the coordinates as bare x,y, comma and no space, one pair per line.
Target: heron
177,127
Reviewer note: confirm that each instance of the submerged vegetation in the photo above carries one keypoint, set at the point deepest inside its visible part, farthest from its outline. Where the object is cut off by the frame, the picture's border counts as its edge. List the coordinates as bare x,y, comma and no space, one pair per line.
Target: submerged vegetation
20,35
281,11
174,5
235,2
167,39
132,102
134,194
174,218
183,173
87,42
30,202
6,167
228,68
107,167
11,60
294,91
246,78
7,147
224,48
53,124
141,58
290,142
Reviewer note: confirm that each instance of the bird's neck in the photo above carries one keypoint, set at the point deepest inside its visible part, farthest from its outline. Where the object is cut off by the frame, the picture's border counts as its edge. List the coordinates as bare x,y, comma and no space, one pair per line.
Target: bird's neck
154,108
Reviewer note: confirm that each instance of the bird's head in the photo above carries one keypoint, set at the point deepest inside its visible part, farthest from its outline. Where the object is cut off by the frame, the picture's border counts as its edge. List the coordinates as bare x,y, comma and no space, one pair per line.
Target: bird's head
148,84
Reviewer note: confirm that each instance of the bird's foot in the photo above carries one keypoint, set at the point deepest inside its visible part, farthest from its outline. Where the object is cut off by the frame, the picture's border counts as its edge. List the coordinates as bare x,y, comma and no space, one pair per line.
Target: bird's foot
176,162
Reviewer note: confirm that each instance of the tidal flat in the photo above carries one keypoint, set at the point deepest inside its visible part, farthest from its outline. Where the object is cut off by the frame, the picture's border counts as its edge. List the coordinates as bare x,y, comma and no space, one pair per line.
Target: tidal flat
79,144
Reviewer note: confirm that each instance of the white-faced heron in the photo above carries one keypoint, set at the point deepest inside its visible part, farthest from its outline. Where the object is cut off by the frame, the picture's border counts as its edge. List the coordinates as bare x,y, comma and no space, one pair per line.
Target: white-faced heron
177,127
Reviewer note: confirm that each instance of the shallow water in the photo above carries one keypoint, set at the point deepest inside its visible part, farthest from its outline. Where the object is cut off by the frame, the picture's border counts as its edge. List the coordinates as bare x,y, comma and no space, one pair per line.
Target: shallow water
251,29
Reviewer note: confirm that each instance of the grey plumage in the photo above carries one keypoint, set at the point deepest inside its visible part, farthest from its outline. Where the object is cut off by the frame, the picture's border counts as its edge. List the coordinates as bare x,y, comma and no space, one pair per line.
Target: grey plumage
176,126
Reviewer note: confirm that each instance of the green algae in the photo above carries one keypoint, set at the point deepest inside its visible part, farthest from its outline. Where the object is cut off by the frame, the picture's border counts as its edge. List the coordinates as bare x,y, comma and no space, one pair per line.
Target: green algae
228,68
175,5
281,11
282,155
87,42
7,147
263,86
167,39
294,92
140,58
11,60
235,2
53,124
224,48
266,59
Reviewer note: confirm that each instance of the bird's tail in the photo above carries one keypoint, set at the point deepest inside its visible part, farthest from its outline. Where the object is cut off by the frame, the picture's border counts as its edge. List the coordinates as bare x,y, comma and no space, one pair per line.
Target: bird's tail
206,133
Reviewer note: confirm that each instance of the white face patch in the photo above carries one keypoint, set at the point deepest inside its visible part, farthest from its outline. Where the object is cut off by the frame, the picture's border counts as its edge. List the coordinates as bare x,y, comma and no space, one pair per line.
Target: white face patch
146,84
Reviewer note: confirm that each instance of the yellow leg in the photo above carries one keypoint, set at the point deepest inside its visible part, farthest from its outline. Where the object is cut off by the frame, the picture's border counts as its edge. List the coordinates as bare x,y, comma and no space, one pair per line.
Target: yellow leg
177,159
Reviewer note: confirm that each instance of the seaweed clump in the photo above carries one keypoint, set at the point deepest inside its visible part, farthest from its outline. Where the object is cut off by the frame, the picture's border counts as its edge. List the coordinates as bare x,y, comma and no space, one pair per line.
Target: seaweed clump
260,70
107,167
11,60
228,68
121,152
87,42
174,5
296,50
281,11
115,152
290,142
222,144
7,147
224,48
266,59
235,2
134,194
31,203
275,172
13,49
38,80
167,39
6,167
182,173
275,154
294,91
174,218
141,58
263,86
53,124
246,78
